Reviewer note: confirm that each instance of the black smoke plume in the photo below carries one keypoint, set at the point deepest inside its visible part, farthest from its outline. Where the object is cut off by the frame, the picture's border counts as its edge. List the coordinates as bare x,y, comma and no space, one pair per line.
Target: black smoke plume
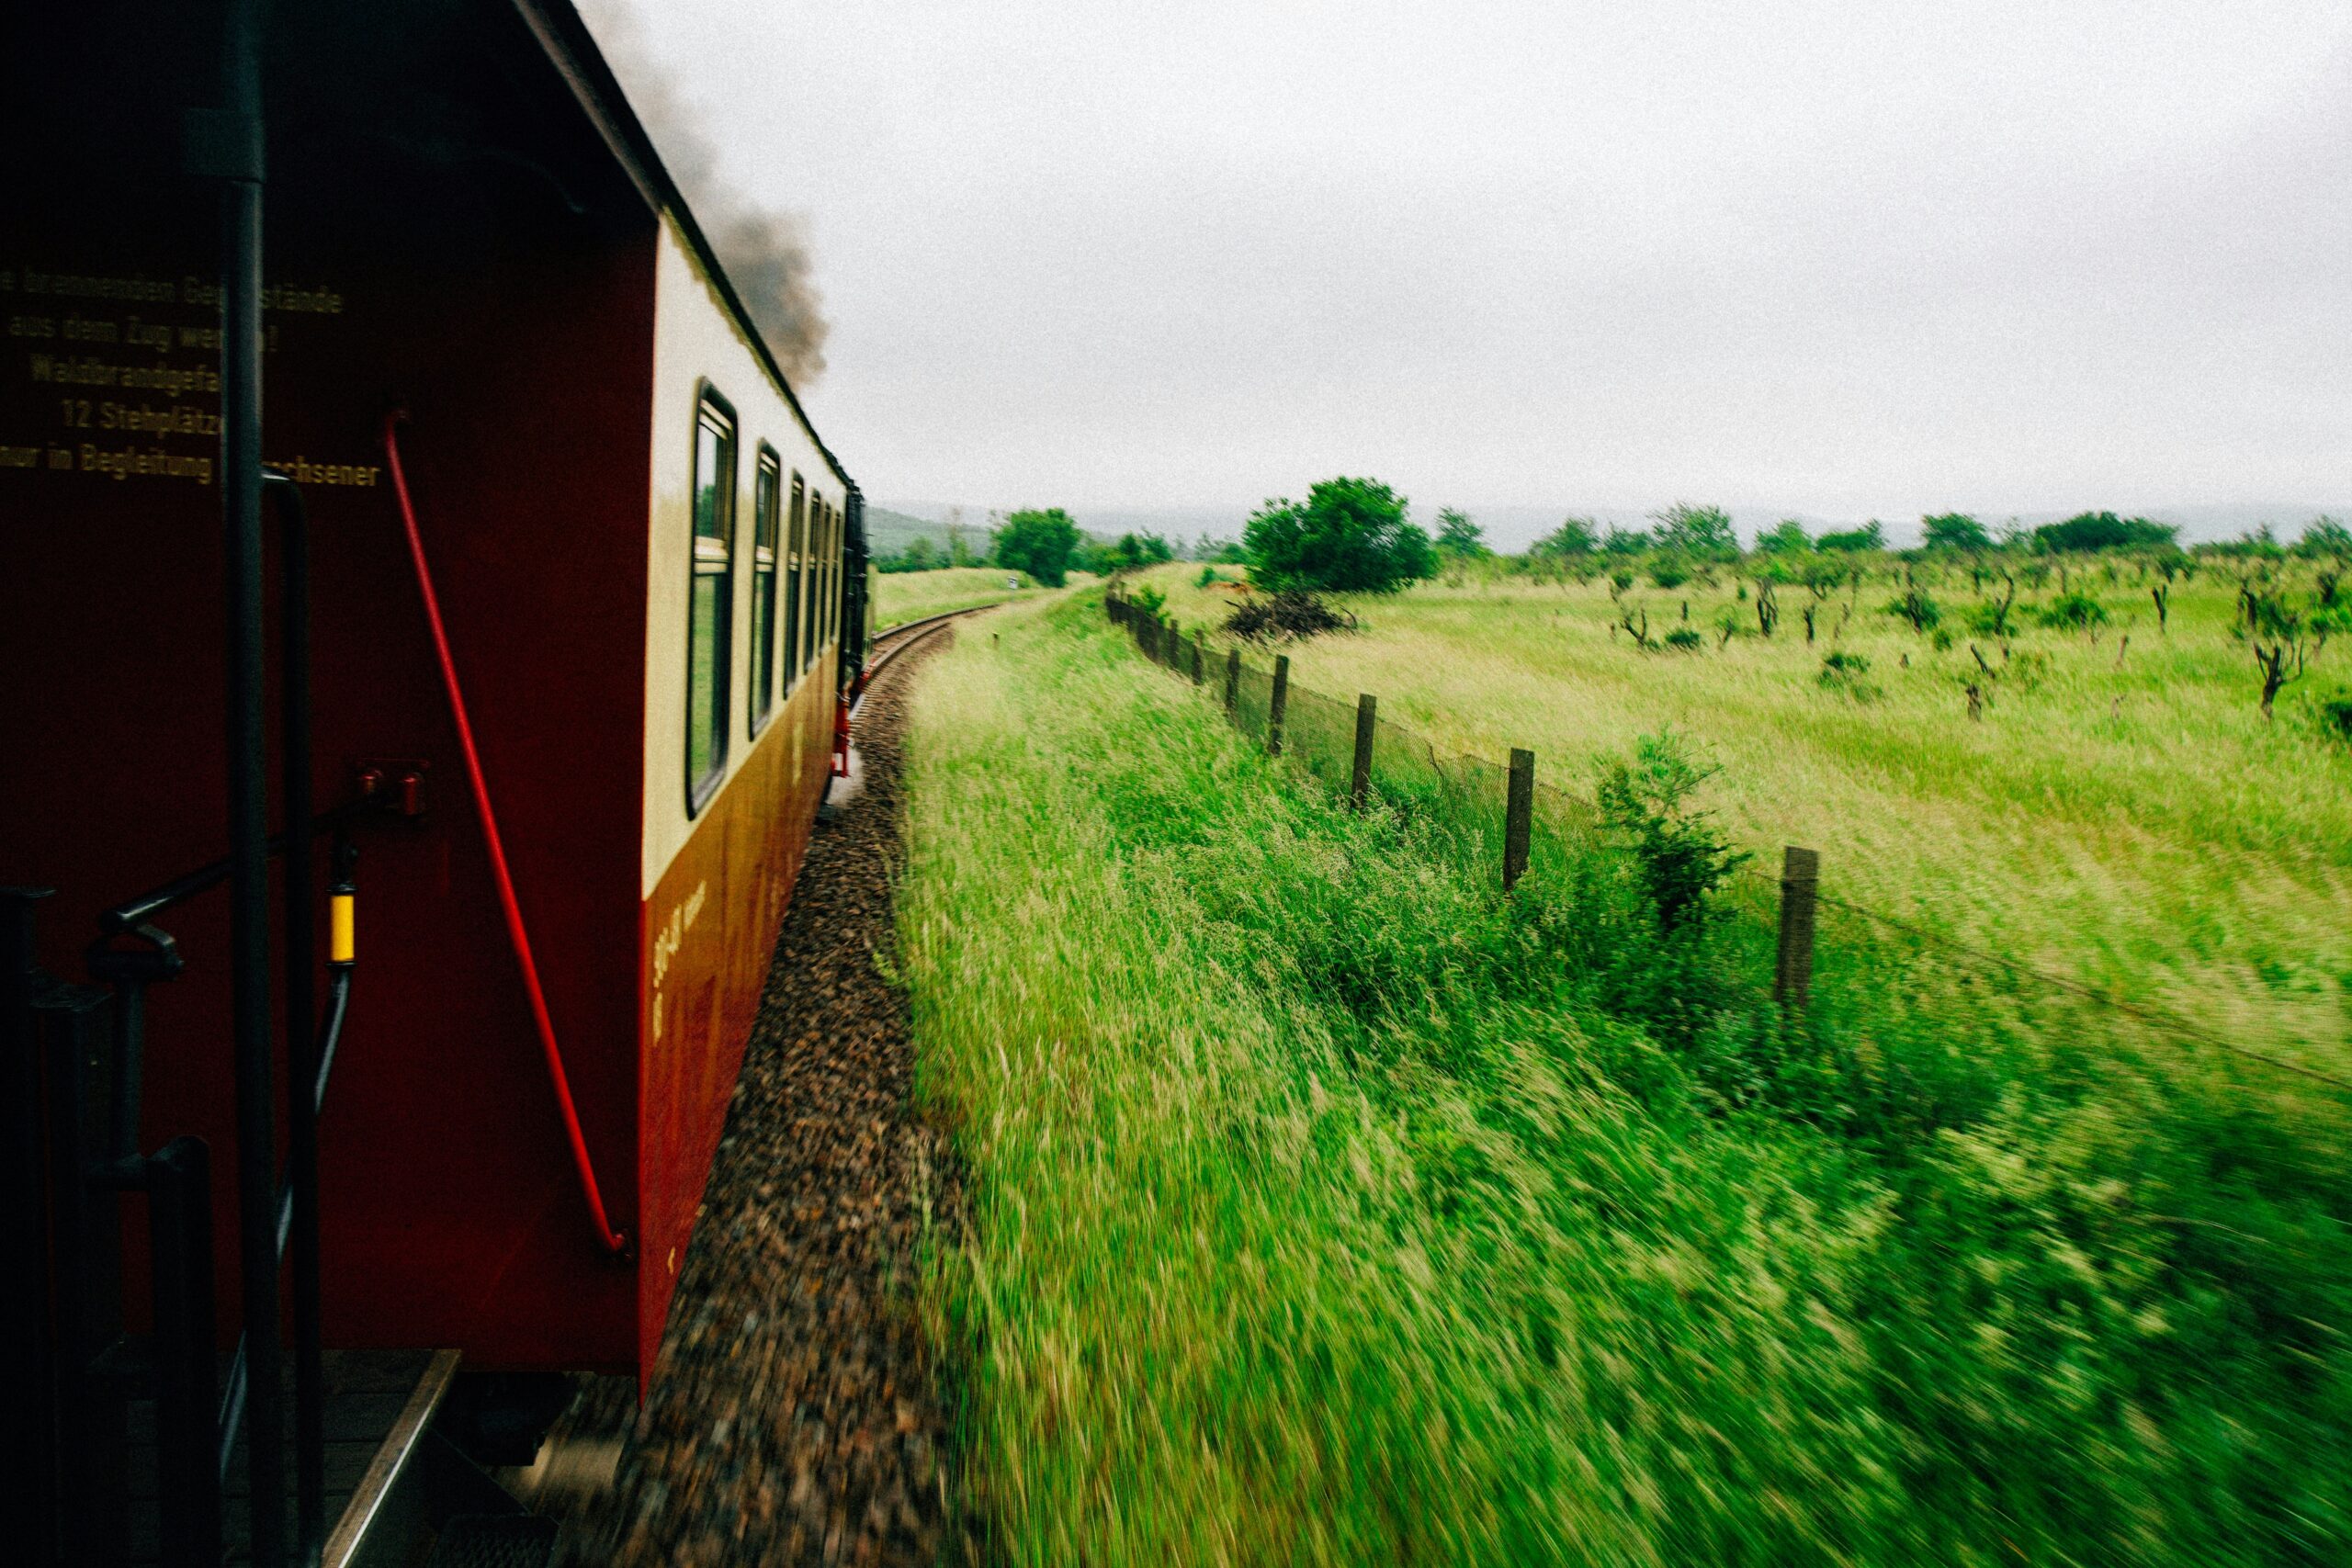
765,252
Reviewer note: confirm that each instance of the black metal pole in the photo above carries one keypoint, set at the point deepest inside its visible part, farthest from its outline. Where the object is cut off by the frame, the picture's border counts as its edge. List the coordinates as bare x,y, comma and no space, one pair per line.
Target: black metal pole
241,475
179,1221
299,892
28,1402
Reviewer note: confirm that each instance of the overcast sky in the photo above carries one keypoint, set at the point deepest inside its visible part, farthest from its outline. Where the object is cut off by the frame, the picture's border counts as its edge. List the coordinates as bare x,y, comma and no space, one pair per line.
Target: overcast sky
1861,259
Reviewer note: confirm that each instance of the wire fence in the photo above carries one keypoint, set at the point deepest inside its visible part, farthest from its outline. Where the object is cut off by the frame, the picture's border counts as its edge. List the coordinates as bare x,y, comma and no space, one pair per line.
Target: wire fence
1812,950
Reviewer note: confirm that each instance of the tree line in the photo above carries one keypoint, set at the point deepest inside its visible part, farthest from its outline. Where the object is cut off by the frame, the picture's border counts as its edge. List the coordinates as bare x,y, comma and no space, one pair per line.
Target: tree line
1356,535
1044,543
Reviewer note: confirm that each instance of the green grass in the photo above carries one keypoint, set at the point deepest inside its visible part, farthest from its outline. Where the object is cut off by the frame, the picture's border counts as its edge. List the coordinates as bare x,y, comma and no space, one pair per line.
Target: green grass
1329,1207
910,595
2125,818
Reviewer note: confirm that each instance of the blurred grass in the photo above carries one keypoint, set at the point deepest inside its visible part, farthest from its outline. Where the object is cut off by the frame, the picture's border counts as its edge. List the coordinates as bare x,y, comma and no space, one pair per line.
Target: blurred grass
1327,1207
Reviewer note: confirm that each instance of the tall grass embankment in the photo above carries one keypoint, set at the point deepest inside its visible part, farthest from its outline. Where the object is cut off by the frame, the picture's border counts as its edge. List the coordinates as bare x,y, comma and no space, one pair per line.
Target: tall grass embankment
2119,814
1330,1206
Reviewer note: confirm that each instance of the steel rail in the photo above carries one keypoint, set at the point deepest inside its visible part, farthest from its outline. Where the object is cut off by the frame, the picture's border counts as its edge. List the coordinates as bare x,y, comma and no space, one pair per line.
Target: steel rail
905,626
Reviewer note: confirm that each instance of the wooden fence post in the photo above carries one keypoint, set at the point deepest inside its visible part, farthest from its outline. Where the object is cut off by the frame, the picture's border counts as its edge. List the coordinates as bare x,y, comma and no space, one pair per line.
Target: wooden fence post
1276,704
1519,817
1199,661
1360,779
1232,679
1800,883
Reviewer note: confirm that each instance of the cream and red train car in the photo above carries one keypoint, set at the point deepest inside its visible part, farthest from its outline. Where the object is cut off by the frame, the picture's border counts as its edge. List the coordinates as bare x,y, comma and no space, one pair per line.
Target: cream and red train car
480,281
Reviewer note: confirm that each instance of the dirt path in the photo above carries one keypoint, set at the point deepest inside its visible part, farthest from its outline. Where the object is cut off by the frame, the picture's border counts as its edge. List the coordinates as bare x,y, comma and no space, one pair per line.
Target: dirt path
794,1414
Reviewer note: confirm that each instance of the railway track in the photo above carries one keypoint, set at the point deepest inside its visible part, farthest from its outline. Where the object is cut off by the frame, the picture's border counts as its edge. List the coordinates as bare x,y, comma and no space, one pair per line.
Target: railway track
796,1413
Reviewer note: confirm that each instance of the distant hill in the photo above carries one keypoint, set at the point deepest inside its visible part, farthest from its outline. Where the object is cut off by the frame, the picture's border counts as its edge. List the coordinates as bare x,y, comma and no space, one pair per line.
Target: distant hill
888,531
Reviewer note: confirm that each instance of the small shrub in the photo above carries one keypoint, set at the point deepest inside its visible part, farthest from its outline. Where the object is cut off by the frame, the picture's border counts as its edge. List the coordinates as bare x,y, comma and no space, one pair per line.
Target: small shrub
1685,638
1620,581
2336,715
1291,615
1645,802
1149,599
1669,574
1847,674
1940,640
1994,618
1916,608
1853,541
1209,575
2075,612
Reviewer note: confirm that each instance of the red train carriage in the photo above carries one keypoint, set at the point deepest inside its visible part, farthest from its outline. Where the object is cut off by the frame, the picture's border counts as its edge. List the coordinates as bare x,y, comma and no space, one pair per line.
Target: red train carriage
582,591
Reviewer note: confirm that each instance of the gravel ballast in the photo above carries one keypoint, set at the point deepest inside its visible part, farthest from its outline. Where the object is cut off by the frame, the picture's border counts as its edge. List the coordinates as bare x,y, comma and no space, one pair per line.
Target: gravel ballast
794,1414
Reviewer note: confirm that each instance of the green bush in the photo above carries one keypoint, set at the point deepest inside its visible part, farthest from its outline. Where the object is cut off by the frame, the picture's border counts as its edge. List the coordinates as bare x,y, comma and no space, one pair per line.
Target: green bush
2072,612
1574,536
1916,608
1646,804
1702,533
1686,640
1847,674
1954,531
2336,715
1129,552
1039,542
1459,536
1853,541
1348,536
2101,531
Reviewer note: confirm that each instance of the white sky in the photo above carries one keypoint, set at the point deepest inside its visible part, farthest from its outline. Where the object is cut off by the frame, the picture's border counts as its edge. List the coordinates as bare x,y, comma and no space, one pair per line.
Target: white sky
1849,259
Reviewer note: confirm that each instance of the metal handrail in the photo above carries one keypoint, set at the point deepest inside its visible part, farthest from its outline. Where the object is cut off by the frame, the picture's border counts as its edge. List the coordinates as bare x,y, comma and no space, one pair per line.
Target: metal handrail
133,913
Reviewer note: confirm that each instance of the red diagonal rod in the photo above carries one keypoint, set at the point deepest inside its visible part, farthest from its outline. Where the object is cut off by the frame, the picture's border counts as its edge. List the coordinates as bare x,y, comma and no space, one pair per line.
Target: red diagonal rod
521,938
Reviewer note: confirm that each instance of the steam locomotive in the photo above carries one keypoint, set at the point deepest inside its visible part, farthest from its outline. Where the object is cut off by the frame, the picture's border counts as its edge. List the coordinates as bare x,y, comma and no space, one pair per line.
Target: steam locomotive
430,615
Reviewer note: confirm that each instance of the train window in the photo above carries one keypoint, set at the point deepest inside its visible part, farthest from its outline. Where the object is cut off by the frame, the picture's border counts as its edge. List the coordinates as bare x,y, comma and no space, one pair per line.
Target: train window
796,618
817,510
833,576
765,525
710,598
824,578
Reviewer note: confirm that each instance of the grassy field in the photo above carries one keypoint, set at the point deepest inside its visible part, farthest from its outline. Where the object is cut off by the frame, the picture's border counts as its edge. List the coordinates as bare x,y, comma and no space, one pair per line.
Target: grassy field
1329,1207
2120,816
912,595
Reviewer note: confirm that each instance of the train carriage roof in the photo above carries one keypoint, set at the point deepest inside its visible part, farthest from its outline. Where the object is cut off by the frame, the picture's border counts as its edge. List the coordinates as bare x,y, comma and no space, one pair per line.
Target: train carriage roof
573,50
